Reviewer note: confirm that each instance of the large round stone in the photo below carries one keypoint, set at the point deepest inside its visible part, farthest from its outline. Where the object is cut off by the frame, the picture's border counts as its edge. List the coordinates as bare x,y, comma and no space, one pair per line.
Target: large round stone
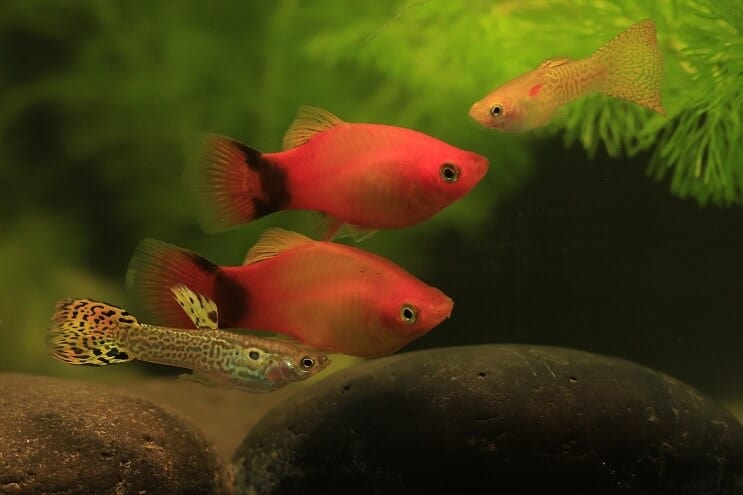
69,437
495,419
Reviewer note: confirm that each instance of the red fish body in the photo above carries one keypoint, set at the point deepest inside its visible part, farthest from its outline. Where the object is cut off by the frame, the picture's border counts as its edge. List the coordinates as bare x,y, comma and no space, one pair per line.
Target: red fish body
369,176
330,296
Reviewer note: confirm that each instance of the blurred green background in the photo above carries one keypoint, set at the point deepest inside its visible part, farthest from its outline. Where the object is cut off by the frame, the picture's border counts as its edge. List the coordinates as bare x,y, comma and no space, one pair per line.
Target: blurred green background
613,230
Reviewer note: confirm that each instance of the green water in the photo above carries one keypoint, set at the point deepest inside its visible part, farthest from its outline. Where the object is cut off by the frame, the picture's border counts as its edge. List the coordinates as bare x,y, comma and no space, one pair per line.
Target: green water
102,103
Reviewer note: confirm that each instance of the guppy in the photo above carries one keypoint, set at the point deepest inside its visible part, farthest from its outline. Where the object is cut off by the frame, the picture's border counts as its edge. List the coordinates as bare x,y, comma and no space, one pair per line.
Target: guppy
90,332
629,67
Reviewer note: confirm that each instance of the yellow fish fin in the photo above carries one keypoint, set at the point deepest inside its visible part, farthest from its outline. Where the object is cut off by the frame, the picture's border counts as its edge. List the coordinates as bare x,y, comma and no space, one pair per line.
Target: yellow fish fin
355,232
308,122
633,63
85,332
274,241
202,310
554,62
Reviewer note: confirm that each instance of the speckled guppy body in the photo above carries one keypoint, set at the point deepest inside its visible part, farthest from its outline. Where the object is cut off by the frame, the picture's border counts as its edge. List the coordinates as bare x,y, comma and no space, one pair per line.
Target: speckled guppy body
629,67
95,333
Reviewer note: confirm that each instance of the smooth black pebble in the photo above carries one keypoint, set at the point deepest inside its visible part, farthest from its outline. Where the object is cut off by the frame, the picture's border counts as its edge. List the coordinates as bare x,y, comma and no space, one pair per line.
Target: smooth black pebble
495,419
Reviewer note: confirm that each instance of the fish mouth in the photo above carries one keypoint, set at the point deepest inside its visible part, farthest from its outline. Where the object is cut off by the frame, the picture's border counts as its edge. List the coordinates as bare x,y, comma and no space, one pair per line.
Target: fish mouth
443,310
480,114
482,165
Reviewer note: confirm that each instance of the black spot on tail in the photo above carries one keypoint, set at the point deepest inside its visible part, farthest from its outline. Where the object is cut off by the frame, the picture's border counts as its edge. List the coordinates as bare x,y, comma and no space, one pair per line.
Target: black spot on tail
232,300
273,182
204,264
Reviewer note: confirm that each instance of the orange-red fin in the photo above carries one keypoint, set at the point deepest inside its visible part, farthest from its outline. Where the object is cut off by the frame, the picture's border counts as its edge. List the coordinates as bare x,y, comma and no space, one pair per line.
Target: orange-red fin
156,268
309,122
633,63
234,184
87,332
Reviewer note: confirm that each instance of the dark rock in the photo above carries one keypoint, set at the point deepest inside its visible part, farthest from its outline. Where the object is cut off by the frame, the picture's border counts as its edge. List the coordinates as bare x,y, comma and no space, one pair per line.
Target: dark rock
67,437
496,419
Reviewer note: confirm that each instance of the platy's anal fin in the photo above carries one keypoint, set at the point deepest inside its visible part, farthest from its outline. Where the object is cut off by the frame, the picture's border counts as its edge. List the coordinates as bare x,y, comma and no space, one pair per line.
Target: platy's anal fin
309,122
358,234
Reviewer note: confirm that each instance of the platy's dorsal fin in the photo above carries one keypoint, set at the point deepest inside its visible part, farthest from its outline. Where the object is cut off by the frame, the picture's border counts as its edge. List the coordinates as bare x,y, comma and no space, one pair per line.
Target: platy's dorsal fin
274,241
202,310
308,122
554,62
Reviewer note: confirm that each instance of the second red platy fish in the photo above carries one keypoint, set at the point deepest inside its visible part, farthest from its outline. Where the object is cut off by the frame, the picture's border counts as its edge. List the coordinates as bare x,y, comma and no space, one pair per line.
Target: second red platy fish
629,67
367,176
328,295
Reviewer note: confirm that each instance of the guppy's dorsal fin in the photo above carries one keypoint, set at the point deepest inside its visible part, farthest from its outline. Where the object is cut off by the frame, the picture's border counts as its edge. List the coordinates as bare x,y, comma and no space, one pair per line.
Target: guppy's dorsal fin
308,122
551,63
274,241
202,310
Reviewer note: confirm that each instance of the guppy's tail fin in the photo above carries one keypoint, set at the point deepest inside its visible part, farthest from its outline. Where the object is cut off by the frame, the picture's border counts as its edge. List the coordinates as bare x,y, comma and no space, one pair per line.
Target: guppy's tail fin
233,184
155,269
85,332
634,66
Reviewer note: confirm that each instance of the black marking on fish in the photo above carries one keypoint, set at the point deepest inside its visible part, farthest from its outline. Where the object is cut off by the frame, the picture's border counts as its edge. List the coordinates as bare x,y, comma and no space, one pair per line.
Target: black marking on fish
274,189
202,263
232,299
212,315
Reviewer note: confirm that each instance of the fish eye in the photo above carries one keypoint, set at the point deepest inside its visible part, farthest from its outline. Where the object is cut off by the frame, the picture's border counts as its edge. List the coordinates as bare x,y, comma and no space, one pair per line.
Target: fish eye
254,355
408,313
307,363
449,172
496,110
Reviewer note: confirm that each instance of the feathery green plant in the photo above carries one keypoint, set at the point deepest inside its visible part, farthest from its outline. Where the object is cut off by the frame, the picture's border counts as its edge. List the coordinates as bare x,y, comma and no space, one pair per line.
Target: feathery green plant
461,50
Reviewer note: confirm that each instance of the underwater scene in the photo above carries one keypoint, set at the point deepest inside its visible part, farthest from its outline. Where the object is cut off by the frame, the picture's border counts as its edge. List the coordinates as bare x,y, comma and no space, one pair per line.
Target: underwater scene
400,246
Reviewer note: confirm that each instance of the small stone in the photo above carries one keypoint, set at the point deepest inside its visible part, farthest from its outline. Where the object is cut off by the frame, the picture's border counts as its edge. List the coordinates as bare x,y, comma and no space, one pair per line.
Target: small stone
495,419
70,437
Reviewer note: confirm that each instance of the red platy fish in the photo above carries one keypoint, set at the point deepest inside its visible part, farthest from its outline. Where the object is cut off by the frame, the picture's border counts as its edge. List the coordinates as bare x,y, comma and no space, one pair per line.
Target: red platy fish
327,295
366,176
629,67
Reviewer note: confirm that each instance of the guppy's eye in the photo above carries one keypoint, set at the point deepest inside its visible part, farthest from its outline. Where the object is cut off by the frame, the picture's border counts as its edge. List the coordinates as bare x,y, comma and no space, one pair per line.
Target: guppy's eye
307,363
496,110
408,313
254,355
449,172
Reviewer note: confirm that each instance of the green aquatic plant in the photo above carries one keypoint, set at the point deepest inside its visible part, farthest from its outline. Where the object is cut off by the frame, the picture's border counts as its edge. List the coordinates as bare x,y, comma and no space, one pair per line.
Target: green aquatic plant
459,51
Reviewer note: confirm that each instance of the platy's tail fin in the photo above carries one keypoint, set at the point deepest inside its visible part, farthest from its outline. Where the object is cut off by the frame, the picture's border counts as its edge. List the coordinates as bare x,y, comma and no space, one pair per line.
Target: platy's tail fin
634,66
156,268
234,184
86,332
